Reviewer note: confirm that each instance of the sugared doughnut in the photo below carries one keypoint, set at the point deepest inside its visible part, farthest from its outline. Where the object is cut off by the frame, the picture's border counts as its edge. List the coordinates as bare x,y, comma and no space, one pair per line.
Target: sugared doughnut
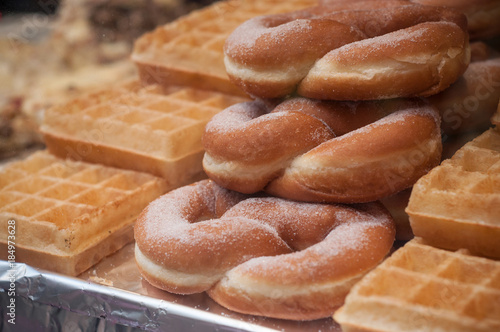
262,255
322,151
353,51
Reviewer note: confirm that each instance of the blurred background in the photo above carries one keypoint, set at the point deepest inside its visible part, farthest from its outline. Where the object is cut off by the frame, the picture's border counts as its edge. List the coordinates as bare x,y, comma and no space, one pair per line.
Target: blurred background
53,50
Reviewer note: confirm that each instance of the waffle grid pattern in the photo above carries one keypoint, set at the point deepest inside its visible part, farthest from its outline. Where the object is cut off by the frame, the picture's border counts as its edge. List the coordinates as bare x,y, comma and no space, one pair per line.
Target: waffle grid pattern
473,171
62,208
422,287
132,122
457,204
190,50
45,188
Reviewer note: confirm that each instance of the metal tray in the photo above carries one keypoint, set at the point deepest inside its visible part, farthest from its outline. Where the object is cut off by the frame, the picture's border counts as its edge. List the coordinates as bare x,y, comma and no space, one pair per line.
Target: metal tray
112,296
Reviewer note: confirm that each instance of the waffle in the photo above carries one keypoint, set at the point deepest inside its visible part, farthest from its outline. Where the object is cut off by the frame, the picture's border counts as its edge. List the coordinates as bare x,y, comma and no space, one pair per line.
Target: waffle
68,215
457,204
189,50
149,129
422,288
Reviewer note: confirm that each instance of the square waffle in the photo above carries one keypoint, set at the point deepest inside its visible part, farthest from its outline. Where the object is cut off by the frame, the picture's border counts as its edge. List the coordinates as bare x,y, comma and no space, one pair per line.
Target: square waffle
64,215
422,288
457,204
150,129
189,51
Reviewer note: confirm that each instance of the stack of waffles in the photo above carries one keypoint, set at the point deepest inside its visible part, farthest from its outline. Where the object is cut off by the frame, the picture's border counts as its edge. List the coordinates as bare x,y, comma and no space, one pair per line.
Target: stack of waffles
130,144
189,51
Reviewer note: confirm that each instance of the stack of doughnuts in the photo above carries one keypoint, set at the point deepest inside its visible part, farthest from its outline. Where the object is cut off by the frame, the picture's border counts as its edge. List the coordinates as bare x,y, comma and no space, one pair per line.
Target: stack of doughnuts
290,218
372,140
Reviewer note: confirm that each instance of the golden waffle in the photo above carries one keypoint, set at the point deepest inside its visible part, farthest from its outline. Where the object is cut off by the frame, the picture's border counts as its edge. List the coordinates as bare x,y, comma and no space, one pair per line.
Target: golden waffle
148,129
189,51
65,216
422,288
457,204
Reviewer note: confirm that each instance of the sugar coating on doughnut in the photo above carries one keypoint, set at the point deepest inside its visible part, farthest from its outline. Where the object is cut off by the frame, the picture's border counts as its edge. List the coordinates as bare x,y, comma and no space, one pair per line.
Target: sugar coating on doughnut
354,52
374,63
189,242
318,151
251,30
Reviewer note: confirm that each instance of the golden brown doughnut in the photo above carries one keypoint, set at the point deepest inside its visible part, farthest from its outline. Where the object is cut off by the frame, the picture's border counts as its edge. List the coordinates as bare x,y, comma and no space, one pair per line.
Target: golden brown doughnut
262,255
354,51
322,151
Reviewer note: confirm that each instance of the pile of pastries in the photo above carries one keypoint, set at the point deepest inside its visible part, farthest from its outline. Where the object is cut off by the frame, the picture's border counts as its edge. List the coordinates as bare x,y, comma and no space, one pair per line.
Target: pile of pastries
288,151
349,106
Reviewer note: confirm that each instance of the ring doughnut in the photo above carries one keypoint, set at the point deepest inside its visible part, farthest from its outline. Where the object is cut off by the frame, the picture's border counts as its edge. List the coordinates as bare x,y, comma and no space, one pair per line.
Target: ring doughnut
322,151
260,255
360,51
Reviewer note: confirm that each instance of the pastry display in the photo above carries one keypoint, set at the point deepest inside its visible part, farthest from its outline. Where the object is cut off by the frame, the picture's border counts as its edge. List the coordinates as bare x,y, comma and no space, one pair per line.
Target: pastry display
311,150
148,129
340,142
350,148
68,215
262,255
303,150
457,204
422,288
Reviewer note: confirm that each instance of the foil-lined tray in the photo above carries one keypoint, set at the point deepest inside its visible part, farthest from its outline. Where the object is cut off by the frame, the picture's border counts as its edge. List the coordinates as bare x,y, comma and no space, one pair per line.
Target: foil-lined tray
112,296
